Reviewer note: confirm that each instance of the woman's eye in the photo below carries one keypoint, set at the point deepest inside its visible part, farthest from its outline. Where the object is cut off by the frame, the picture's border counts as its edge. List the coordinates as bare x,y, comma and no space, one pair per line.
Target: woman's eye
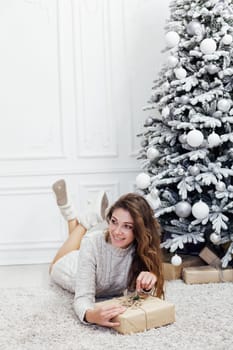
128,227
113,221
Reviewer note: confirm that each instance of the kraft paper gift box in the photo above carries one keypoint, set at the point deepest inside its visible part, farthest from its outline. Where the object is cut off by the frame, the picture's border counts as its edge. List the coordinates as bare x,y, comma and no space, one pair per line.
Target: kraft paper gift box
143,314
210,257
172,272
206,274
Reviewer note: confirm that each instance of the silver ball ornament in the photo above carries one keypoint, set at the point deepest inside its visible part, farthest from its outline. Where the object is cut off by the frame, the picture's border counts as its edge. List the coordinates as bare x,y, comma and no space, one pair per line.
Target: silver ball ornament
208,46
224,105
172,39
152,153
194,170
172,61
220,186
143,181
200,210
214,140
180,73
195,138
182,138
217,114
184,100
212,69
215,238
148,121
176,260
227,39
183,209
194,28
144,143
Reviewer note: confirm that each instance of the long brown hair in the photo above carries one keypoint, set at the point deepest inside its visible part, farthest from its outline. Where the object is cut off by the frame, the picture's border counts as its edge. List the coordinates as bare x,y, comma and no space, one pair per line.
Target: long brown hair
146,229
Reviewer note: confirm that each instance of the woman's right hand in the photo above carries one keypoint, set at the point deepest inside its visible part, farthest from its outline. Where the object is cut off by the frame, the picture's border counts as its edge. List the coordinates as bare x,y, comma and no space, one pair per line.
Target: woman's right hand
103,315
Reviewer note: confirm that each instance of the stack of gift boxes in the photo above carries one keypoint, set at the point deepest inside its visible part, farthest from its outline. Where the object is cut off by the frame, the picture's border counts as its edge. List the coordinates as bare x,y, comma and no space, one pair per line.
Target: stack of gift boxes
205,268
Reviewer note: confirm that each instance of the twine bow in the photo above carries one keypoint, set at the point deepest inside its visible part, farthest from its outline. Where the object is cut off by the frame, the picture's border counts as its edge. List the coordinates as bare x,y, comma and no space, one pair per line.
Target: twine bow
133,301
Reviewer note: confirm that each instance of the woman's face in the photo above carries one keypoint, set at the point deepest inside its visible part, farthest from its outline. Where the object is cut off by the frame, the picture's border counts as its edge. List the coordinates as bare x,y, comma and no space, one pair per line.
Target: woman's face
121,228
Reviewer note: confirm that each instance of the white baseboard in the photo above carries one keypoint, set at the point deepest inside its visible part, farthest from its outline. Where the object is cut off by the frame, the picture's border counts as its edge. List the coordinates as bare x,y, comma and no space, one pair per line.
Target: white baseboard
25,256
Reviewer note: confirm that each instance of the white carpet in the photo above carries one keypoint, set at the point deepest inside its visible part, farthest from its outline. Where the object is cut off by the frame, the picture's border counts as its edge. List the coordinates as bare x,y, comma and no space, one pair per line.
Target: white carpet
43,318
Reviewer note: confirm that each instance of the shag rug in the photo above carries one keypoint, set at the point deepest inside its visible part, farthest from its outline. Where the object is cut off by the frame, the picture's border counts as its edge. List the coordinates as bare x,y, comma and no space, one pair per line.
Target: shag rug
32,318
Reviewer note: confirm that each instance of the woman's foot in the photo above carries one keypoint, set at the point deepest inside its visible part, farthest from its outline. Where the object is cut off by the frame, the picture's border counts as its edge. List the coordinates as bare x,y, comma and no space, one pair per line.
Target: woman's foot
95,211
99,205
64,204
59,188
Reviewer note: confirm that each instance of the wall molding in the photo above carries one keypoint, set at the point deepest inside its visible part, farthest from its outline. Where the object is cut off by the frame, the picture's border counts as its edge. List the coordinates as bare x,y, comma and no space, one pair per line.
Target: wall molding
33,157
36,253
71,172
48,7
81,88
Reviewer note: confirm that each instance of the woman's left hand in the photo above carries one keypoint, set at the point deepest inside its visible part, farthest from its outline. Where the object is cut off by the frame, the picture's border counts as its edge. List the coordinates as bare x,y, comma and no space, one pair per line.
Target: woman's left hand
146,280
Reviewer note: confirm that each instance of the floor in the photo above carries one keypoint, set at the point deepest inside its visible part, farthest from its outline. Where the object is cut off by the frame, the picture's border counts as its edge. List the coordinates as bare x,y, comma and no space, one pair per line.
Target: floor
24,276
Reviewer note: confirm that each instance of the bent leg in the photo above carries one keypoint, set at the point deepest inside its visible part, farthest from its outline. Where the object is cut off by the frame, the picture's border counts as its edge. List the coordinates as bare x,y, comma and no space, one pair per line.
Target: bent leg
72,224
76,228
72,243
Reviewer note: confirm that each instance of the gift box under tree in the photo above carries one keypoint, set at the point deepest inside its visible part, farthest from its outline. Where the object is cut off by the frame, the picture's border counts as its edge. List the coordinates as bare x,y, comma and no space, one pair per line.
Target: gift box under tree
172,272
206,274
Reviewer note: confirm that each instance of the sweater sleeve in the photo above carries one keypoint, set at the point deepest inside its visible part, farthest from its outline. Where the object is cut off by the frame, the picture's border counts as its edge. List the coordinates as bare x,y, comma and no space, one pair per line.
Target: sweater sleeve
85,289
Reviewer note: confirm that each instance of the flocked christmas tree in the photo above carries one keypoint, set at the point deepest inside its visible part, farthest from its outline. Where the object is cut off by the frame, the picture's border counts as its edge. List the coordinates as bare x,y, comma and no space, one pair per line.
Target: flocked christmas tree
187,141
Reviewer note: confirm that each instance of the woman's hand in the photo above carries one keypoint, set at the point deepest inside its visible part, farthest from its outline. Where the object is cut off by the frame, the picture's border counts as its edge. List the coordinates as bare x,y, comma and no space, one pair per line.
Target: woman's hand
104,314
146,280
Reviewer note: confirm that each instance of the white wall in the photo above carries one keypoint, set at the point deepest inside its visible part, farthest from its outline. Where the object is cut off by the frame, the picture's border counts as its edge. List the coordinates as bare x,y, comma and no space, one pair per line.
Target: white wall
74,76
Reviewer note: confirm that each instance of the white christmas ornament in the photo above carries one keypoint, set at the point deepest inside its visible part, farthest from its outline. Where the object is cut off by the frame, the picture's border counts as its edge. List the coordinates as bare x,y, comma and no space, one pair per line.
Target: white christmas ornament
227,39
224,105
172,39
152,153
176,260
220,186
183,209
184,100
215,238
194,28
182,138
200,210
208,46
195,138
194,170
142,181
212,69
144,143
172,61
214,140
148,121
180,73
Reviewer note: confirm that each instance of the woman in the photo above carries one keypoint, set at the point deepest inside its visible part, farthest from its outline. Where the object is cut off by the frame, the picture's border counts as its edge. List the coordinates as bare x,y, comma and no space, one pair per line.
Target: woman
102,261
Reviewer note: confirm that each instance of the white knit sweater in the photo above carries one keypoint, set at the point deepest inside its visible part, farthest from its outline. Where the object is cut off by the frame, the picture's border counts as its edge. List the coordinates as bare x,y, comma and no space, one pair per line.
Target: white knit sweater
102,271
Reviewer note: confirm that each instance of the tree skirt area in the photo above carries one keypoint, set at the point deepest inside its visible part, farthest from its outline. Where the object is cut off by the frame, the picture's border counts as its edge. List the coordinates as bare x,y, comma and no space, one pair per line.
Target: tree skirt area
43,318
